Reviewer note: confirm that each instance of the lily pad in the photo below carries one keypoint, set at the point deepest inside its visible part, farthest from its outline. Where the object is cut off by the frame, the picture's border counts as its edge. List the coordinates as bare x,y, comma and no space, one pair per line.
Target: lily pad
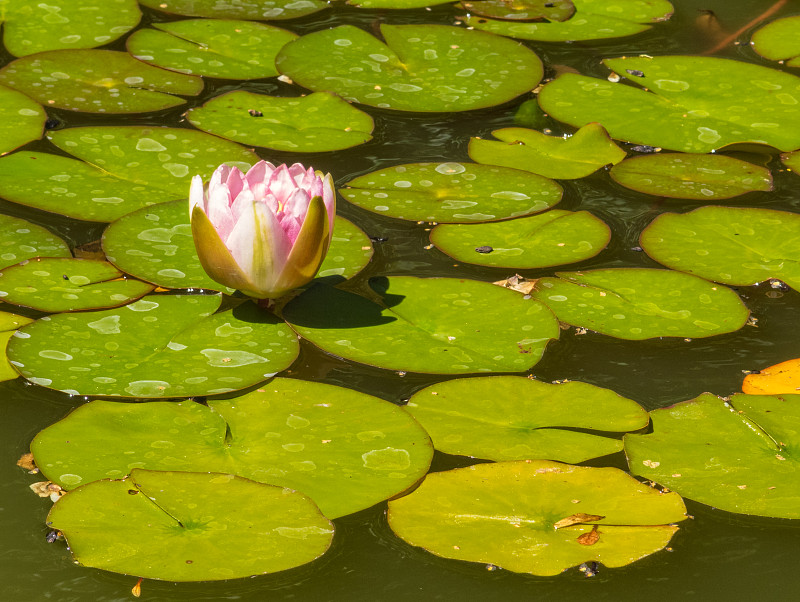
159,346
8,324
693,104
33,26
433,325
779,41
577,156
21,120
739,246
187,526
683,176
735,455
593,20
510,514
211,47
553,238
400,4
271,10
452,192
344,449
641,303
317,123
155,244
98,81
125,168
792,161
21,240
427,68
516,418
776,380
54,284
520,10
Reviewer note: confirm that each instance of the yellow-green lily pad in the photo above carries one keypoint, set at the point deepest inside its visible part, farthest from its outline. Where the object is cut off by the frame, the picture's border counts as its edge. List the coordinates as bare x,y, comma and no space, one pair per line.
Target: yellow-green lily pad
9,323
267,10
21,240
520,10
779,40
21,119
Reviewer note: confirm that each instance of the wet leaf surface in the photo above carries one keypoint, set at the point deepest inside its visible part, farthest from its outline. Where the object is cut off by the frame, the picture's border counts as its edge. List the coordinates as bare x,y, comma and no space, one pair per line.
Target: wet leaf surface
21,120
779,41
271,10
521,10
21,240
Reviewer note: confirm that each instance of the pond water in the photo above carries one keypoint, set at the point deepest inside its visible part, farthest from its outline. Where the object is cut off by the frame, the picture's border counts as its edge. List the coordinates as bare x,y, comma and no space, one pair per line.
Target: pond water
715,555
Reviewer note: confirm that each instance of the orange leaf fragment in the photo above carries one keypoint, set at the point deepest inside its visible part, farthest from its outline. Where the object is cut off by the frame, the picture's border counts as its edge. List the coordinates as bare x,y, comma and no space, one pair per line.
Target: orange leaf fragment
775,380
577,519
590,538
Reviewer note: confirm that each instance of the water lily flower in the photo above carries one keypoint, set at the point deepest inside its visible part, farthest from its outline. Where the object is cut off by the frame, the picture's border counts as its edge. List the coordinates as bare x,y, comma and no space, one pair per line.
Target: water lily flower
264,232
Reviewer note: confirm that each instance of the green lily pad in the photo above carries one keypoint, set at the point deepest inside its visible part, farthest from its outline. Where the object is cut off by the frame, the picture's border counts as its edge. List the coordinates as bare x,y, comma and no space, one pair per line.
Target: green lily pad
552,238
8,324
187,526
692,104
318,122
211,47
425,68
271,10
779,41
452,192
516,418
21,240
682,176
510,514
21,120
155,244
738,246
641,303
400,4
33,26
792,161
98,81
736,455
593,20
54,284
581,154
159,346
344,449
520,10
432,325
126,168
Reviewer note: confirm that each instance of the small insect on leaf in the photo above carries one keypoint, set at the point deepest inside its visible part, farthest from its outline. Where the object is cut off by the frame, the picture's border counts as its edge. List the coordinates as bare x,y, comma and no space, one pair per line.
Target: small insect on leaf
590,538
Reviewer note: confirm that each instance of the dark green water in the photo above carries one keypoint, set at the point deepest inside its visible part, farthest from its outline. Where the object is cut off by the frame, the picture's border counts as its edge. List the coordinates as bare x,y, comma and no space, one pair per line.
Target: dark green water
715,556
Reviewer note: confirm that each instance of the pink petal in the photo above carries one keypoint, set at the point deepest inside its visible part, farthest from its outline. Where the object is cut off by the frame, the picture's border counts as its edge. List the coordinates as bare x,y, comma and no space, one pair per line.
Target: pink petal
281,185
235,182
329,198
259,173
219,211
197,194
242,203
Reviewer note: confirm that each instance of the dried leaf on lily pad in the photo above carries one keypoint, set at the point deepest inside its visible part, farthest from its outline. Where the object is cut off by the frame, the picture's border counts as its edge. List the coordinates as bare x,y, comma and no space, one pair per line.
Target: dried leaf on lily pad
159,346
739,246
642,303
516,418
431,325
779,40
344,449
737,455
452,192
257,10
190,526
779,379
576,156
506,514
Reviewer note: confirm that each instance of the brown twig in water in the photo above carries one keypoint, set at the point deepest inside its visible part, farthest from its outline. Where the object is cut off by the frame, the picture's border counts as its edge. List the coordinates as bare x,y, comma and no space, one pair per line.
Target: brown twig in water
732,38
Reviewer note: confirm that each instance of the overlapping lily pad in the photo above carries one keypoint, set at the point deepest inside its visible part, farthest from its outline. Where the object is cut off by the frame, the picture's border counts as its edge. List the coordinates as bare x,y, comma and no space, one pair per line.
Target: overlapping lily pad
792,161
122,169
537,516
438,325
685,176
159,346
775,380
641,303
779,41
400,4
211,47
31,26
516,418
238,9
98,81
8,324
452,192
344,449
521,10
21,240
593,20
737,456
318,122
692,104
188,526
731,245
21,119
156,245
428,68
583,153
54,284
552,238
